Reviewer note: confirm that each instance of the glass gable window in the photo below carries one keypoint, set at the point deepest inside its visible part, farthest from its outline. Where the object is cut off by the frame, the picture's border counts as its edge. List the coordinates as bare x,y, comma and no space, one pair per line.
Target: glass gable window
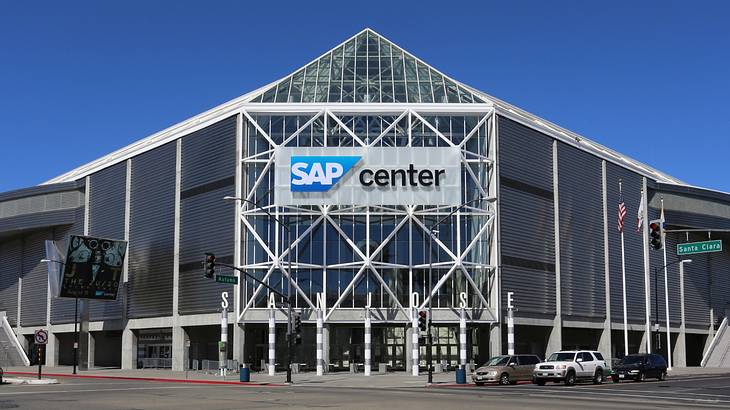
368,68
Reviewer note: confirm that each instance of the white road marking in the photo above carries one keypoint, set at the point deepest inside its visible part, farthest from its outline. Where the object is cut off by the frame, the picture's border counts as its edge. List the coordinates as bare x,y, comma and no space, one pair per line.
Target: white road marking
97,390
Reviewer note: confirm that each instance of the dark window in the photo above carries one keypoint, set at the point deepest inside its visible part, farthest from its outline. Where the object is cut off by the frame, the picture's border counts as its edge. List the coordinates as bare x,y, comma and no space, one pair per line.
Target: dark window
587,357
598,355
528,360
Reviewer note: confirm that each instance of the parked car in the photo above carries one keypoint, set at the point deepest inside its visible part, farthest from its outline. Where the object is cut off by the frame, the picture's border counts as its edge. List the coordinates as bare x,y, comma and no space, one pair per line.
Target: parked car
639,367
571,366
506,369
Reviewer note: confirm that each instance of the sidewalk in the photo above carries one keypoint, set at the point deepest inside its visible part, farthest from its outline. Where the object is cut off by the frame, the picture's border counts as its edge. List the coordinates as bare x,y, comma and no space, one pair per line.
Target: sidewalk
340,379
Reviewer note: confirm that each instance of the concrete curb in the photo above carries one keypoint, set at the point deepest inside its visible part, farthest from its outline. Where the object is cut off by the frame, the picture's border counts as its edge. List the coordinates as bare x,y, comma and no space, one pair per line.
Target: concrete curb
154,379
23,380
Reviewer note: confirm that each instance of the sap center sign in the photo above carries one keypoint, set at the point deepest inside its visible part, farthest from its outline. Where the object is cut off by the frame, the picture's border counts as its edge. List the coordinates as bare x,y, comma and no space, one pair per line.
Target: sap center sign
368,176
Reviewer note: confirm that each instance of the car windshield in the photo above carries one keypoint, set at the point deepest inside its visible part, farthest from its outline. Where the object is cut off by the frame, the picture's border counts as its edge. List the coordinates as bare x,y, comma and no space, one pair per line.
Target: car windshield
497,361
561,357
632,360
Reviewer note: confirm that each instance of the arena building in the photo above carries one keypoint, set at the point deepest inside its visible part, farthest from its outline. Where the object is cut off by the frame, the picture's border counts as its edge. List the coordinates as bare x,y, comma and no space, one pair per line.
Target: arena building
382,187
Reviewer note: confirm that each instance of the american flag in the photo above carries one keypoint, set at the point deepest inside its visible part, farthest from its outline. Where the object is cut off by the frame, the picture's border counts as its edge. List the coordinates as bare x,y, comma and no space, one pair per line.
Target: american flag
621,211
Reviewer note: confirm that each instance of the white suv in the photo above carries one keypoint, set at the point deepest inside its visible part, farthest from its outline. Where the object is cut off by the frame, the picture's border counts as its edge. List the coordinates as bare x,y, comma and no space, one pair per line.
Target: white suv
570,366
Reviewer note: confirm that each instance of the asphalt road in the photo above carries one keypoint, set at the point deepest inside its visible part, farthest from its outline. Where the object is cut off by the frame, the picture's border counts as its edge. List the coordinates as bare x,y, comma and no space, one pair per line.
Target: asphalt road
83,394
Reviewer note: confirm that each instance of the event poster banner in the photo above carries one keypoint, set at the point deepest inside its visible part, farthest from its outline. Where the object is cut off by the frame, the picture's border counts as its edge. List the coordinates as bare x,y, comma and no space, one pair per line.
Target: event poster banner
93,268
368,176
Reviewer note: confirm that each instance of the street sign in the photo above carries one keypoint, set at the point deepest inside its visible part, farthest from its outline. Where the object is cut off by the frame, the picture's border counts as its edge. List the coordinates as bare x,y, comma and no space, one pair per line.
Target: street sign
226,279
699,247
41,337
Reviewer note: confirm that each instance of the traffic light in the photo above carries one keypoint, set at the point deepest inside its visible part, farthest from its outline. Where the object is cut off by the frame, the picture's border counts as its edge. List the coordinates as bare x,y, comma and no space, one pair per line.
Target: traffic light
656,234
209,265
422,320
298,327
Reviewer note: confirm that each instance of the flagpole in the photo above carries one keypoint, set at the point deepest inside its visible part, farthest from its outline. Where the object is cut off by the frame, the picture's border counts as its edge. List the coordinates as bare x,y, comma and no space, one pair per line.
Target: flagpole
623,282
666,290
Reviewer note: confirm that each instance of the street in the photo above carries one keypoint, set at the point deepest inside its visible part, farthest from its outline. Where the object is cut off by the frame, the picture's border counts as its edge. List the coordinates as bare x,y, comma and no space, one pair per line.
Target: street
702,391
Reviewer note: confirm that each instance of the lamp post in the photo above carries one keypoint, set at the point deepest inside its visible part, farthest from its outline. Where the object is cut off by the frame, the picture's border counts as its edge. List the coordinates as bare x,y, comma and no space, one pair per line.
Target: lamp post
681,263
289,282
431,232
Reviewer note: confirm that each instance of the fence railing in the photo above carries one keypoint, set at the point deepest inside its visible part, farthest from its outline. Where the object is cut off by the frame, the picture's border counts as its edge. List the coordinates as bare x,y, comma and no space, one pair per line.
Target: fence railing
156,363
213,365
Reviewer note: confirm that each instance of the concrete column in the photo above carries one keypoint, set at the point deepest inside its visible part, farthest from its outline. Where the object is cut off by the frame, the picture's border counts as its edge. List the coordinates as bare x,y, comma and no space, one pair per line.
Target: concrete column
495,340
52,350
83,334
272,342
129,349
414,345
409,347
605,343
645,344
326,331
179,348
555,340
320,341
462,338
367,341
91,350
680,349
239,343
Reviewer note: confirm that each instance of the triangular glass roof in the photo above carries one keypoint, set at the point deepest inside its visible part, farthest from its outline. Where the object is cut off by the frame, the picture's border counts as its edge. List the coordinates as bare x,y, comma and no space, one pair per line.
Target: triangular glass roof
368,68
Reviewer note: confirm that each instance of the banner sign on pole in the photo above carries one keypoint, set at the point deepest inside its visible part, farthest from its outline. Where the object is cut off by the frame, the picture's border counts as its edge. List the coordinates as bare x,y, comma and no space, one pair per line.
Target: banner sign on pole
93,268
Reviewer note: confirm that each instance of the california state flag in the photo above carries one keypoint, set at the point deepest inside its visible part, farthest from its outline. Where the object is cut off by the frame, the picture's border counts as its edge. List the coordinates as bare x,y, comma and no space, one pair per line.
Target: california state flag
640,215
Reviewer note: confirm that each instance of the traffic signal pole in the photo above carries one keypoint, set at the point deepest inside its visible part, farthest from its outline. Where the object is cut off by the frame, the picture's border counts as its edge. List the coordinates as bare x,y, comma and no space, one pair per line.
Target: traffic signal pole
287,299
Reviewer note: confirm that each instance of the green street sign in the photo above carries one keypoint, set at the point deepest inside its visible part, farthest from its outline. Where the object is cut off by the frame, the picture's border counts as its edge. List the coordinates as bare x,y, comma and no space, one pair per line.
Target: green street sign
699,247
226,279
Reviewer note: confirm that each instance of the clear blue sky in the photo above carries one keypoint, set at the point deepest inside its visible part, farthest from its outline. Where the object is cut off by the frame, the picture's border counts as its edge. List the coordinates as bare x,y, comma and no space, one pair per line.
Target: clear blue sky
646,78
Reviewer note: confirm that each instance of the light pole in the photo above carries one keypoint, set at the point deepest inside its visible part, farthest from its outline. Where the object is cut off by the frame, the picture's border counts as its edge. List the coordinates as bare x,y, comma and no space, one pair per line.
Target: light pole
431,232
289,282
681,263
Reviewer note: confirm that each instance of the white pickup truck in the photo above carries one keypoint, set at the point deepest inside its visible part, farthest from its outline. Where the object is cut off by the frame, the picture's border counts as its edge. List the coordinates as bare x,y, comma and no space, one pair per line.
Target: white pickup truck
570,366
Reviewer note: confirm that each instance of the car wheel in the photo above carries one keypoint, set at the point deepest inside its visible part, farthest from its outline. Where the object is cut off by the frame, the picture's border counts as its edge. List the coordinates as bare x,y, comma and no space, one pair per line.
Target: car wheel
598,377
570,378
641,377
479,383
662,375
504,379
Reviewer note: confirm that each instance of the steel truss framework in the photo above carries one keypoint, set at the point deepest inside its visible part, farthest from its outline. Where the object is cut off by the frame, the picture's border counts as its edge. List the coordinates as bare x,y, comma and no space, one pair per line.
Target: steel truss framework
463,258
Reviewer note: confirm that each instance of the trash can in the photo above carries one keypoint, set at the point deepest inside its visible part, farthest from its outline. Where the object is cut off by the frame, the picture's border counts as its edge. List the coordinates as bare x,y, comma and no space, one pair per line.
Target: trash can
461,375
244,374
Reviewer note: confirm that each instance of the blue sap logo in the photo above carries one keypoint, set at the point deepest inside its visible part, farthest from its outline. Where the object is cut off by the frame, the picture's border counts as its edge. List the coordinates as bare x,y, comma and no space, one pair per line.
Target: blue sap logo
319,173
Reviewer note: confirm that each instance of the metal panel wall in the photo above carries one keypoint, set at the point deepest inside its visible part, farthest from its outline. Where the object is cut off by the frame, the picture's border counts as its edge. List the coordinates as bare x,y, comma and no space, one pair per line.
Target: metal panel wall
634,245
206,220
151,233
526,205
209,154
35,280
11,253
106,220
582,273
